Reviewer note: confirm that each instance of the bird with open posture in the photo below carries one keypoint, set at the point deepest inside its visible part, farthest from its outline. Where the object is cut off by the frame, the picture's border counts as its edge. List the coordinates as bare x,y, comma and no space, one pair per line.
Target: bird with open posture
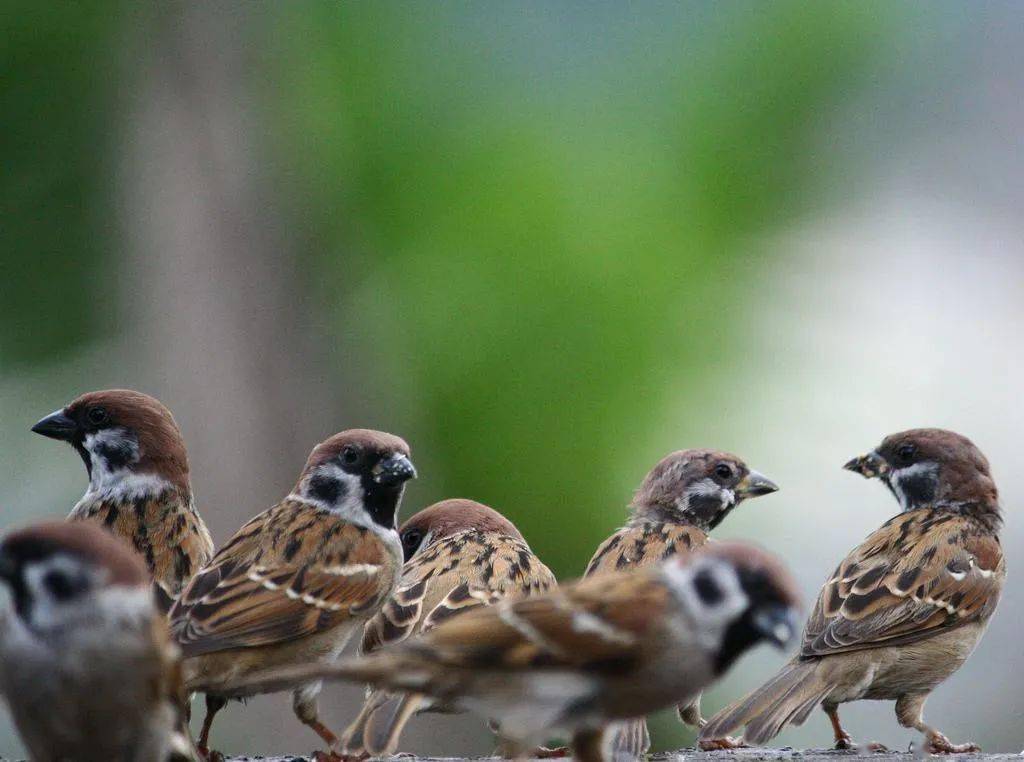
595,652
139,485
297,581
686,495
904,610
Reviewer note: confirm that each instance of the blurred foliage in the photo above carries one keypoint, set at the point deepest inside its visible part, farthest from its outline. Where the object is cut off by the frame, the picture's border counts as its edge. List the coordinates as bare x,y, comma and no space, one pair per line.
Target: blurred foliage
528,220
57,105
523,221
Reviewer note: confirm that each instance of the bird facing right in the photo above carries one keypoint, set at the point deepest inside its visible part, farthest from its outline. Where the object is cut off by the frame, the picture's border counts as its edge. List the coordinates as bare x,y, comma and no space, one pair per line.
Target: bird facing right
905,608
686,495
578,658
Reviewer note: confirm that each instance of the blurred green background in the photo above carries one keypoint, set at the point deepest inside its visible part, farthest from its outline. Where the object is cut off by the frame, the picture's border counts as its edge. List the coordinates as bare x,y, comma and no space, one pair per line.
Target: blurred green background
546,243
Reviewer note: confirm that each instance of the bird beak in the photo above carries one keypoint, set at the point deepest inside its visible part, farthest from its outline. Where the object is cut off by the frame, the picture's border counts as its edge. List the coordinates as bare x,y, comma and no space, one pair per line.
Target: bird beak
868,466
57,425
777,624
393,470
755,485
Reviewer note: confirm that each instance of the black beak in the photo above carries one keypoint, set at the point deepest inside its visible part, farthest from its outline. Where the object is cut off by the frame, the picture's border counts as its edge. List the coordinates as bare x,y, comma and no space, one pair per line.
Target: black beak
394,470
777,624
755,484
57,425
868,466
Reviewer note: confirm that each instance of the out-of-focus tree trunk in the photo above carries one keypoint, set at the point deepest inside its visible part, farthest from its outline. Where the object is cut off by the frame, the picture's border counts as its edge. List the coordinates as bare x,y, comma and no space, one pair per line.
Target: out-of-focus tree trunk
214,295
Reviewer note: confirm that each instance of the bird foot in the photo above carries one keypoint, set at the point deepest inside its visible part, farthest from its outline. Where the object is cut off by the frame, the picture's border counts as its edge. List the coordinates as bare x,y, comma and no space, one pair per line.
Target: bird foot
209,755
936,743
326,756
874,747
544,752
844,742
721,744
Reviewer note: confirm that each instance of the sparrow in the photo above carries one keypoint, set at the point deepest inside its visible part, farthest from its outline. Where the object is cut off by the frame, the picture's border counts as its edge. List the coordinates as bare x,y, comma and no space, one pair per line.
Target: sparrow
298,580
459,554
905,608
607,648
86,662
686,495
139,485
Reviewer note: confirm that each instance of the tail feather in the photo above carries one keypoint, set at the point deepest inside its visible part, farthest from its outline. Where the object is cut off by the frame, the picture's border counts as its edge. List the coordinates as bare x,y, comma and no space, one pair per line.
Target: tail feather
386,721
787,698
630,739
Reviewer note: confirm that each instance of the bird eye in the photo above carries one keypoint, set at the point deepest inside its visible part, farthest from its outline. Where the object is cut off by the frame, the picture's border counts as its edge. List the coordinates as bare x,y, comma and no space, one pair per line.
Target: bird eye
60,586
97,416
906,452
411,540
723,471
350,455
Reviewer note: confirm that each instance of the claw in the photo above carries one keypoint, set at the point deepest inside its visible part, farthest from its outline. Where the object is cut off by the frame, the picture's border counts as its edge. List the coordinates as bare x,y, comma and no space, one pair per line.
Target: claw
936,743
721,744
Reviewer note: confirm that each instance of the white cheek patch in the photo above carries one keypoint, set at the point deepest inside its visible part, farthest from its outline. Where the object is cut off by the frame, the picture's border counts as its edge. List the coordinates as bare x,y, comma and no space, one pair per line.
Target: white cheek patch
707,620
349,501
46,611
707,487
111,452
898,476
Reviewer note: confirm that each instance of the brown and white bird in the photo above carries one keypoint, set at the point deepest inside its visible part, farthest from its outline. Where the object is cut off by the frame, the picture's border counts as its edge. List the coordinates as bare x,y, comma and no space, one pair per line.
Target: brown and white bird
906,607
604,649
459,554
86,662
139,485
686,495
297,581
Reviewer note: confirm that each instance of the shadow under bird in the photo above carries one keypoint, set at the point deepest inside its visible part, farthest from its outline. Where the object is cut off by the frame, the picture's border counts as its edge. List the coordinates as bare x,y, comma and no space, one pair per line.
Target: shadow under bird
588,654
139,484
87,666
459,554
905,608
297,581
686,495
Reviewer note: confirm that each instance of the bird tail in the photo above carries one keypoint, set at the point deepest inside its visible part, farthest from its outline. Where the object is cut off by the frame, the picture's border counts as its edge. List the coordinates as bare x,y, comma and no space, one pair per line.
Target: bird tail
386,721
630,740
394,671
786,699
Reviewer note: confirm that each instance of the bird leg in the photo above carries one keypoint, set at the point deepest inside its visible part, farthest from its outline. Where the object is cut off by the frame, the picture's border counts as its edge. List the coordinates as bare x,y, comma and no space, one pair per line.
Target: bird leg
588,745
304,706
213,705
843,739
910,713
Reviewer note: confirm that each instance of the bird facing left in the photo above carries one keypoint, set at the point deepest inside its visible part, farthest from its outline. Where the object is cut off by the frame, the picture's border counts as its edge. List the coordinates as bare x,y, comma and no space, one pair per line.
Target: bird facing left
86,662
139,486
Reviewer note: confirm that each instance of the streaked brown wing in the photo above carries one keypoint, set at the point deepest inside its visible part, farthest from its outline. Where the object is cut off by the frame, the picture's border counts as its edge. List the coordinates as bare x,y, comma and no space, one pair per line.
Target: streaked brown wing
919,574
287,574
452,575
643,544
597,624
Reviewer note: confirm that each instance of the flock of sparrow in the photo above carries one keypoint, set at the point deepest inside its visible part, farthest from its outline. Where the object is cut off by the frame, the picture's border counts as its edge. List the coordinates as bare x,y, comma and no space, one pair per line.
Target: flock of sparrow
118,615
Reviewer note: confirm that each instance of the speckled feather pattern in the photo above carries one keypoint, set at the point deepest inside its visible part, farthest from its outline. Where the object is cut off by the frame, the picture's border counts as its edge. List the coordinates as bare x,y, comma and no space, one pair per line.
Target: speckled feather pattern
644,542
293,571
923,572
461,571
163,527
